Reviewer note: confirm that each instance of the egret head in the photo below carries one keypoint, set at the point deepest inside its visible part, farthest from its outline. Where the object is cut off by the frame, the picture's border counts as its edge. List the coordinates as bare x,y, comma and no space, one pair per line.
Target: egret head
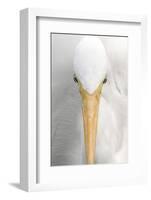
90,68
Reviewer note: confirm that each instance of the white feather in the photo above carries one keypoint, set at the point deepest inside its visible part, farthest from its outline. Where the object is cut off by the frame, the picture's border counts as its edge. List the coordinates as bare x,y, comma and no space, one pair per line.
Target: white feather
90,62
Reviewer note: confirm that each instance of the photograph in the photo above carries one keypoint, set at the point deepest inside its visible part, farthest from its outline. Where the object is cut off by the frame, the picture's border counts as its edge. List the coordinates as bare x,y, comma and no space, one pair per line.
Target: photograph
89,99
82,100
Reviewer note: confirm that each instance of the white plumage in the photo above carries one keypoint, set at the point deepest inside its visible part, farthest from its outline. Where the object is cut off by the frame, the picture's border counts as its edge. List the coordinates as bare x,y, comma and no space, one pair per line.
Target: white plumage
90,62
91,65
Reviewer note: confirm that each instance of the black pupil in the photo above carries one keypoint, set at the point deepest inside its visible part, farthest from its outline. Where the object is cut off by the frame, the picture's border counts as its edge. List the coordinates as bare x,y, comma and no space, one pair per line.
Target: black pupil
75,79
105,80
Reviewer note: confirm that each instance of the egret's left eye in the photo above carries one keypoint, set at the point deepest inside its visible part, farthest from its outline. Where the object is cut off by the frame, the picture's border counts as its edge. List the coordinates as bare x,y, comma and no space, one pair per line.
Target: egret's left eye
75,79
105,80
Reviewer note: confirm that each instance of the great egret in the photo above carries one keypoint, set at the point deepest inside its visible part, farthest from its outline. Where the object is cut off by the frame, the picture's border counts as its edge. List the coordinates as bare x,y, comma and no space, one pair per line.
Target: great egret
97,133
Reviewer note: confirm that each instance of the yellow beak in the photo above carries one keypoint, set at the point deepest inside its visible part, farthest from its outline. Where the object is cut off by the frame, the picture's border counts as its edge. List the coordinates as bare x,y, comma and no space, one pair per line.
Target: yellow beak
90,107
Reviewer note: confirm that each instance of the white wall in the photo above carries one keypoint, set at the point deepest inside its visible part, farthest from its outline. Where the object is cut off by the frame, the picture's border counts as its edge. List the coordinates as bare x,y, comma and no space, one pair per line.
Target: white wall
9,100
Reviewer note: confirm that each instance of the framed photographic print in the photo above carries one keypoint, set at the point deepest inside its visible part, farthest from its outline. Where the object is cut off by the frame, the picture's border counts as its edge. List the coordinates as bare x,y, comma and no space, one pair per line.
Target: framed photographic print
80,97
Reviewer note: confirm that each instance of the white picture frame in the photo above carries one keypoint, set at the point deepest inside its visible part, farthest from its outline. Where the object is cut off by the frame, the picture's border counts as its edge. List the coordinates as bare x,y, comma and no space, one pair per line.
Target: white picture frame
35,173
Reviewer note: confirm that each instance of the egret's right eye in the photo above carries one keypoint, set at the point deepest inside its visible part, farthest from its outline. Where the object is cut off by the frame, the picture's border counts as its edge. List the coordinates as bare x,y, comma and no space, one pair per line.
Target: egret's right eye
75,79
